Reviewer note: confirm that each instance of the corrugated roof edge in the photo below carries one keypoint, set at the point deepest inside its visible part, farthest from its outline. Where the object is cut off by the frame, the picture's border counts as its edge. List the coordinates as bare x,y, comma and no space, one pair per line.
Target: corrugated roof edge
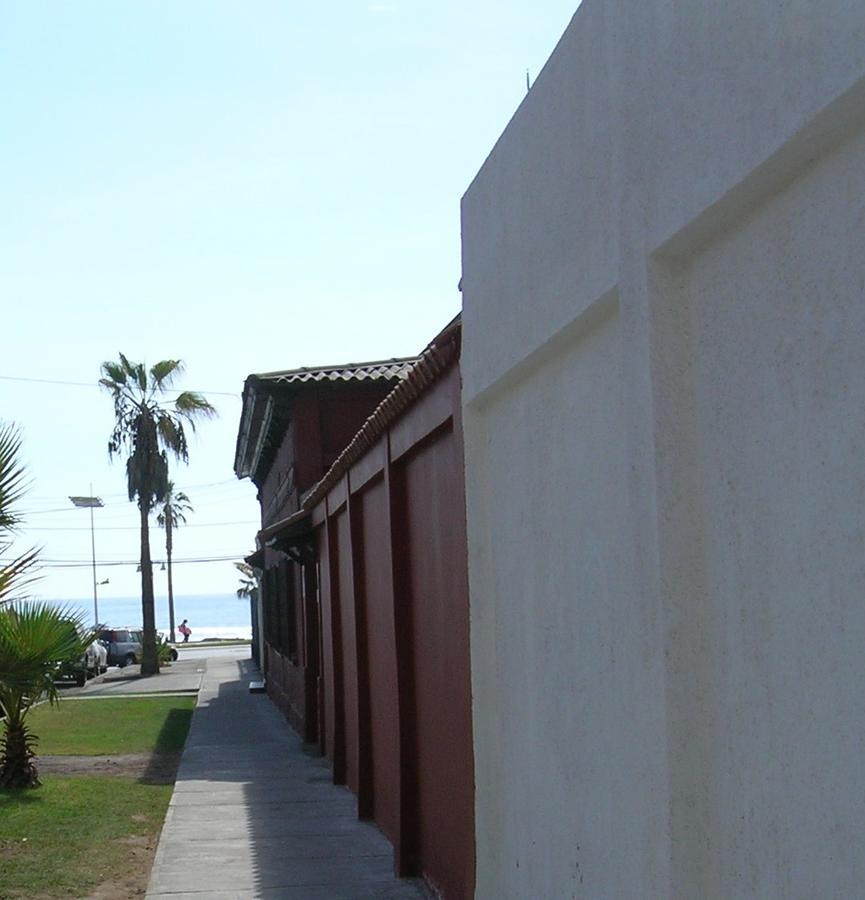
360,371
441,353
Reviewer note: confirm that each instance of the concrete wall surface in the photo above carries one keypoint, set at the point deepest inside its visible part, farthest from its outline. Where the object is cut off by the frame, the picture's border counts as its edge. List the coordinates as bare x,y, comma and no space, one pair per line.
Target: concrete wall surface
664,413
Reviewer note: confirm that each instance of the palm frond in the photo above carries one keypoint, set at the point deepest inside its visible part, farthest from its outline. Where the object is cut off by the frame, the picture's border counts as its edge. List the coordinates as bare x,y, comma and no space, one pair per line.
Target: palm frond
171,435
12,475
34,637
109,385
160,478
146,476
194,403
129,368
113,375
175,505
165,371
133,476
191,405
248,582
16,575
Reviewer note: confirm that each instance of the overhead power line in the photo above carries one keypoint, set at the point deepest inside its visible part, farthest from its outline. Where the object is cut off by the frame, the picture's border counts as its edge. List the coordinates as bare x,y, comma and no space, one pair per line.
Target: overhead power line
79,564
89,384
122,501
105,528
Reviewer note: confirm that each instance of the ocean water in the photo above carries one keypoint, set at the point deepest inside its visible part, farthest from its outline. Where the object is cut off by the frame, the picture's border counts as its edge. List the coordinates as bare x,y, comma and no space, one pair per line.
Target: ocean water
209,615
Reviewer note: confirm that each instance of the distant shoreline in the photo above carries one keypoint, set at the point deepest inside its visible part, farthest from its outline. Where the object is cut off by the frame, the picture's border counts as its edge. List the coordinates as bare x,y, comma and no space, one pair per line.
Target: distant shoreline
136,598
216,616
214,640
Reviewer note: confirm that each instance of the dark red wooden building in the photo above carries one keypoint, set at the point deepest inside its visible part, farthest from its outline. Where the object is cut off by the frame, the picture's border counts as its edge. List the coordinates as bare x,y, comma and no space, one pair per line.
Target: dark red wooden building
365,590
294,424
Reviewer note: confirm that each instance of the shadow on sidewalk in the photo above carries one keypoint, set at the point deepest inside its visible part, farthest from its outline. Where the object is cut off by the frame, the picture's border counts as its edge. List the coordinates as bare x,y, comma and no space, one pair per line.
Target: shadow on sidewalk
254,811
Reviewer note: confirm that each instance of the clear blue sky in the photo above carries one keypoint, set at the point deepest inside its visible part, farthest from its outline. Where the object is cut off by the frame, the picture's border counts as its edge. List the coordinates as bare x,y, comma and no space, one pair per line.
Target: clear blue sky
245,186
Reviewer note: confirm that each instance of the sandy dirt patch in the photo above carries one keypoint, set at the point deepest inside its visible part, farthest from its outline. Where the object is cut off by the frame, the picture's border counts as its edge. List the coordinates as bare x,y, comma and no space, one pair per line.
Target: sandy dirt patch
149,768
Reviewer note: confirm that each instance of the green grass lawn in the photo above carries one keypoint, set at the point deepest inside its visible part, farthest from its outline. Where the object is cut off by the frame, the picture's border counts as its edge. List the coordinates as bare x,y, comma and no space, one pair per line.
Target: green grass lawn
74,833
111,726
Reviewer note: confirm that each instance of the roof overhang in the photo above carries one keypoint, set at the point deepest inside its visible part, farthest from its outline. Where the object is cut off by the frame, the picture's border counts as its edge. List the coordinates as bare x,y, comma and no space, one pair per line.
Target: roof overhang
289,532
256,560
267,399
255,422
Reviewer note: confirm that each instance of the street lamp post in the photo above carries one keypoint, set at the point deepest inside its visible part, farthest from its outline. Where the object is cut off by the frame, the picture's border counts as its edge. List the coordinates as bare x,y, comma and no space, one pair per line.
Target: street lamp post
91,503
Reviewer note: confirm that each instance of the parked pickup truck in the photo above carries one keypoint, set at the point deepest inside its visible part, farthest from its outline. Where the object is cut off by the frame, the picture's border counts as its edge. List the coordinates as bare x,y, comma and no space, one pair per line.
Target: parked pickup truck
123,645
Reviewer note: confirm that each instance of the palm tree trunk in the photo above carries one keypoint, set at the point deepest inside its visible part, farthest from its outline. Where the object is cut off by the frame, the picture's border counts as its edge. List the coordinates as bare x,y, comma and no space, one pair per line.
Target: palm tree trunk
149,656
170,584
17,769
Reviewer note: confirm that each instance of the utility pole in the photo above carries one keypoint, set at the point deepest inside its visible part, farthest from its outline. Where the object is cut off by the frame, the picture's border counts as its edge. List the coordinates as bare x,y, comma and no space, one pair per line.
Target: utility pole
91,503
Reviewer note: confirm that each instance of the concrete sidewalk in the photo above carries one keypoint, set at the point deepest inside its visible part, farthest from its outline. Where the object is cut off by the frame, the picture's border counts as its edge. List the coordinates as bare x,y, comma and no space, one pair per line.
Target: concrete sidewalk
253,816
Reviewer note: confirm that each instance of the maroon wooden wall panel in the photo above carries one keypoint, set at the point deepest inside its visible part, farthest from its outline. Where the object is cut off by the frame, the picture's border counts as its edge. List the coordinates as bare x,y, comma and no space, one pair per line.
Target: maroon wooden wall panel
348,649
308,638
306,421
327,669
285,686
438,620
381,656
393,590
343,411
295,690
268,490
275,679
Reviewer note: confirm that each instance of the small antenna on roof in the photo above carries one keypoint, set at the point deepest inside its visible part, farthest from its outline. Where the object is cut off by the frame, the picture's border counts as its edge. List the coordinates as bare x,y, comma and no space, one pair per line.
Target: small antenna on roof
528,82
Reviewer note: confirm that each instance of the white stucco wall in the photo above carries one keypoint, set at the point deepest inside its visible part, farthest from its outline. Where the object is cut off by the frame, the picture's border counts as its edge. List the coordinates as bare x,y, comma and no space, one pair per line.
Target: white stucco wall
664,411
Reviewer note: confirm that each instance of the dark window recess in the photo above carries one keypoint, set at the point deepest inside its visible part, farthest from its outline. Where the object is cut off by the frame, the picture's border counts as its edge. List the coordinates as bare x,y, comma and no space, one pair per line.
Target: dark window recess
289,645
282,609
279,581
271,603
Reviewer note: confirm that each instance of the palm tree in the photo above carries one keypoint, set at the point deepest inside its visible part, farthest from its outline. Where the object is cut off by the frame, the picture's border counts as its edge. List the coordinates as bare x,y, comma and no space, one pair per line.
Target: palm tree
148,427
248,586
34,637
173,512
15,574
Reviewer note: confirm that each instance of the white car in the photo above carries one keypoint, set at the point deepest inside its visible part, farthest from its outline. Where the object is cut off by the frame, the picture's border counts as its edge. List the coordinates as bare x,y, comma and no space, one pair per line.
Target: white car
96,657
